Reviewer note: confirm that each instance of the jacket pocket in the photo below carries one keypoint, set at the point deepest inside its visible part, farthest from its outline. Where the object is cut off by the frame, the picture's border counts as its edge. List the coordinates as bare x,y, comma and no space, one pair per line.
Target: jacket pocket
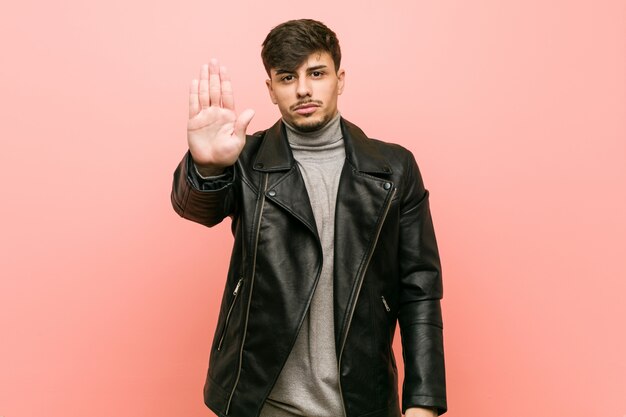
230,310
379,388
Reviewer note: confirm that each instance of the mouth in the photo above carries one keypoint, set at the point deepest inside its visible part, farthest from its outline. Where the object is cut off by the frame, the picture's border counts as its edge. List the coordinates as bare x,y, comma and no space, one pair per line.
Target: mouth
306,108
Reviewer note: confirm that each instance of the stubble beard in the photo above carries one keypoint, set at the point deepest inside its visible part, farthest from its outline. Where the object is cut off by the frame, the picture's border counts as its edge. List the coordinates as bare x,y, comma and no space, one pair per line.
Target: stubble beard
312,126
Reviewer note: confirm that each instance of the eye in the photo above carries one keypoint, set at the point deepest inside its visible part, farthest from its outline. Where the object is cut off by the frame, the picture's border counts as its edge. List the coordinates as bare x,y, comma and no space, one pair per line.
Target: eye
317,74
287,78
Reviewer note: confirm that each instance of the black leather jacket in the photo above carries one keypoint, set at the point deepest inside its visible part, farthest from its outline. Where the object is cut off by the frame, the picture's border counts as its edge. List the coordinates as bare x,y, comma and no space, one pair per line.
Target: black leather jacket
386,271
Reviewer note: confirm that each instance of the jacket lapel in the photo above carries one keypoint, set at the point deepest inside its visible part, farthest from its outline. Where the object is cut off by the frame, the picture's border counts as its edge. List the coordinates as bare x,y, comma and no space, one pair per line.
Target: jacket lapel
286,186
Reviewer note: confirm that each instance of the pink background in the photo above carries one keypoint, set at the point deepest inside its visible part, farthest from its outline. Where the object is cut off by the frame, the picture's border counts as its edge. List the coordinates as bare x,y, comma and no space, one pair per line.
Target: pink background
515,110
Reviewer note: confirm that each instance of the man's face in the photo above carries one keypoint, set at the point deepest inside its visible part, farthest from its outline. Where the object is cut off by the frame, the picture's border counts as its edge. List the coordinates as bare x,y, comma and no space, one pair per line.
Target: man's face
307,96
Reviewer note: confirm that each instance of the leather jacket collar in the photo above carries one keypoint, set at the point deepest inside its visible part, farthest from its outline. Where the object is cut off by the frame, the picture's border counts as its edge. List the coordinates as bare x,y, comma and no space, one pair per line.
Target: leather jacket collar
275,154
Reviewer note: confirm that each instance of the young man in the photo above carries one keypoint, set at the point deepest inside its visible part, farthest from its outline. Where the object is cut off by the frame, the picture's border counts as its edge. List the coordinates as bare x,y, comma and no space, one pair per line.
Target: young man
334,244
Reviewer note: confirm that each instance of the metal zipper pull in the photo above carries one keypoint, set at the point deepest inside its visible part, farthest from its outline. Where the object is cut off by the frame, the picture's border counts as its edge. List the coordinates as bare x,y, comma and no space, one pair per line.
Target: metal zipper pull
237,287
230,310
382,297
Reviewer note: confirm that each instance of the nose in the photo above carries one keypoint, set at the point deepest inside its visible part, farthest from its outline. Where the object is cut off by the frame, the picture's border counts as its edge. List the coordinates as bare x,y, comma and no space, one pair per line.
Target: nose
303,88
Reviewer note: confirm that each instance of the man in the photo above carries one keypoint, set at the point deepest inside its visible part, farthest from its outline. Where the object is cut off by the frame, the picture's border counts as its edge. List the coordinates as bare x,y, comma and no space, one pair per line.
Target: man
334,244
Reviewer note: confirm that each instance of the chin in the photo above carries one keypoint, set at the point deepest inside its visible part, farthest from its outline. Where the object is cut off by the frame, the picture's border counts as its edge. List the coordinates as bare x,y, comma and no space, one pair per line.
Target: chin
310,125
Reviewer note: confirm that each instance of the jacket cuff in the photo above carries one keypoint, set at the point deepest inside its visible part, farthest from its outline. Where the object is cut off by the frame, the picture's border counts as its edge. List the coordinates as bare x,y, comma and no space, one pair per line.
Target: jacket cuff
213,183
424,401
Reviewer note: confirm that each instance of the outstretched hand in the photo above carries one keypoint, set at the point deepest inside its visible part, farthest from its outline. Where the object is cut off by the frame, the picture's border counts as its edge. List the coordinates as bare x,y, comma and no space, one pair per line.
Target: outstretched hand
215,134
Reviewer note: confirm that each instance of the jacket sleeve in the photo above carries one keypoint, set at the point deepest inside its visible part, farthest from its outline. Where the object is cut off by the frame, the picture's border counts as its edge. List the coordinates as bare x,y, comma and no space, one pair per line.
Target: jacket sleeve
205,201
421,289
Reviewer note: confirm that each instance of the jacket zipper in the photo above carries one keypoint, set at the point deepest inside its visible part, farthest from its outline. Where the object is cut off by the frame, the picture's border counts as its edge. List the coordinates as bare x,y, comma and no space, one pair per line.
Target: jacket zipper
230,310
360,284
254,252
382,297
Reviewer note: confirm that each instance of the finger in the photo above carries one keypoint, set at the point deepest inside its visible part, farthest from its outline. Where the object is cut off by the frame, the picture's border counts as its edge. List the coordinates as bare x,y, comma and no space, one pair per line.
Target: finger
194,104
215,95
228,99
242,122
203,90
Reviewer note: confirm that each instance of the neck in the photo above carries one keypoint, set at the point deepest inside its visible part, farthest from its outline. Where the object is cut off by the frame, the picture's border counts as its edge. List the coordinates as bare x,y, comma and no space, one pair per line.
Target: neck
327,134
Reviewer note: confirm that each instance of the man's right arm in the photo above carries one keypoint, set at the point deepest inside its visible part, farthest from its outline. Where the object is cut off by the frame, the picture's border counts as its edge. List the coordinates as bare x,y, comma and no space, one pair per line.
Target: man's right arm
216,137
203,200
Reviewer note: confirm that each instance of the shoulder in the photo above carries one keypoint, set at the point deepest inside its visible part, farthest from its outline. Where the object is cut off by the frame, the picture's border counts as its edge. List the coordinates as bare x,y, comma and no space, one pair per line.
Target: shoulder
404,173
394,151
403,163
399,158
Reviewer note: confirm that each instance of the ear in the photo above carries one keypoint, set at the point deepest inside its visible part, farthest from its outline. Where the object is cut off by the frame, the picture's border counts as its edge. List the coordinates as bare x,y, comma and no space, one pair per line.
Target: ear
341,76
268,83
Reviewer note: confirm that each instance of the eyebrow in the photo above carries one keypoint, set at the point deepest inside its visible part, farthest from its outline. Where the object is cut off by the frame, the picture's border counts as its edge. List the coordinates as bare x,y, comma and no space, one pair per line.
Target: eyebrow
315,68
285,71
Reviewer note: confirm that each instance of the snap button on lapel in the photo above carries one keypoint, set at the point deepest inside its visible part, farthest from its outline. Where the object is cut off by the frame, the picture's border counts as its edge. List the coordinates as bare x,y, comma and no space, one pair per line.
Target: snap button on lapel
259,165
387,185
271,193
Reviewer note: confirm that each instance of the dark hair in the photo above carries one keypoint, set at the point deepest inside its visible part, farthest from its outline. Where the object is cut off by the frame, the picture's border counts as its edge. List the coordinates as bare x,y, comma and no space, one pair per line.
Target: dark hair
290,43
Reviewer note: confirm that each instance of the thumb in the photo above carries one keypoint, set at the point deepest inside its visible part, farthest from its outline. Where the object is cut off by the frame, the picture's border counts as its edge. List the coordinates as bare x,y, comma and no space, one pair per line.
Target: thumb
242,122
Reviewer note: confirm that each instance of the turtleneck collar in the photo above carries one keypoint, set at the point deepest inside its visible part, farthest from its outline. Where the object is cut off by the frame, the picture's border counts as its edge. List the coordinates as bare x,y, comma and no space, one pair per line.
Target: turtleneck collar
327,135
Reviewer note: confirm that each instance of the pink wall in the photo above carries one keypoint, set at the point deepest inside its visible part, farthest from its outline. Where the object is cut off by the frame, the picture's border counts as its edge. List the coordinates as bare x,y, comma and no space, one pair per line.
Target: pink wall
515,110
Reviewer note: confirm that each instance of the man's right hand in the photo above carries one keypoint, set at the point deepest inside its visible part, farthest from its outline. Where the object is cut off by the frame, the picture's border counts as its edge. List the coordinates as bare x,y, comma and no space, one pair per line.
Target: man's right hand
215,134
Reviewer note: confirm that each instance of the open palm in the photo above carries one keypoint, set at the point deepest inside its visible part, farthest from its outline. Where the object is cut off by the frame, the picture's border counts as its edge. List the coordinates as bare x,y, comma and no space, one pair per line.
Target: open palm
215,134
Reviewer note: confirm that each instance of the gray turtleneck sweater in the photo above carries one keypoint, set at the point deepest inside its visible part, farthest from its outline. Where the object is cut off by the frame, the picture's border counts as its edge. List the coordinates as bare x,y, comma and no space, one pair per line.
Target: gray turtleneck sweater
309,383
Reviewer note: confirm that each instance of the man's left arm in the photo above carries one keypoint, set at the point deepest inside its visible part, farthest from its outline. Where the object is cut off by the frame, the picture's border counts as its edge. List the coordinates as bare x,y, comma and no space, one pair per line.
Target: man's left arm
419,313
